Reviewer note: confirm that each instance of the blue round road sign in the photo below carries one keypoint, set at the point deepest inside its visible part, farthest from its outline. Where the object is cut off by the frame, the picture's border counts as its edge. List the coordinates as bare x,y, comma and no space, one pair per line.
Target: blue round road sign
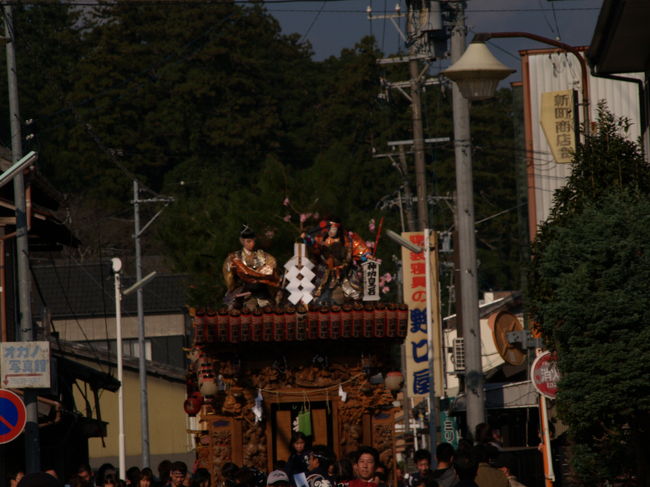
12,416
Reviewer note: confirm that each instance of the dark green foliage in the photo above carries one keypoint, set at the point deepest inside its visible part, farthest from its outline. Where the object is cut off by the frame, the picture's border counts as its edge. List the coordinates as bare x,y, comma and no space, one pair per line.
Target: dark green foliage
213,105
589,297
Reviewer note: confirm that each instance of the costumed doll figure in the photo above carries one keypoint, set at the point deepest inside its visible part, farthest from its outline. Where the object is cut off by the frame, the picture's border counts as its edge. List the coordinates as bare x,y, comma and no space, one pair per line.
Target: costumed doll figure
251,275
337,255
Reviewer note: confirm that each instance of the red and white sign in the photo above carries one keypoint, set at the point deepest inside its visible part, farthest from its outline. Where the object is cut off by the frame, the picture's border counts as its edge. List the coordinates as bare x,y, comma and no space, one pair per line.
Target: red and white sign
545,374
12,416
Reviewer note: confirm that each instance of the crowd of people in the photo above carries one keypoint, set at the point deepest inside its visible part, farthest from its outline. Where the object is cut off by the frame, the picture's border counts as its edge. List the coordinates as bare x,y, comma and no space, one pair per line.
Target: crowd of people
170,474
471,465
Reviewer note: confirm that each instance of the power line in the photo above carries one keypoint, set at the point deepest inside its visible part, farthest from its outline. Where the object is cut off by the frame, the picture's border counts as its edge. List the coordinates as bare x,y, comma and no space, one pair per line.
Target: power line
313,22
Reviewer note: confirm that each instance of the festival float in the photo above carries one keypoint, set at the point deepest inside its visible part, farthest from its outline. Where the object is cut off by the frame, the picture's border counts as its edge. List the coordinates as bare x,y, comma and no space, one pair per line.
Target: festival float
302,347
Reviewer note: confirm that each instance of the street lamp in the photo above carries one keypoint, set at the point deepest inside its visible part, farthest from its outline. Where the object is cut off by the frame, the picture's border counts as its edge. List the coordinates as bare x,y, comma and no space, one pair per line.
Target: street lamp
477,73
117,269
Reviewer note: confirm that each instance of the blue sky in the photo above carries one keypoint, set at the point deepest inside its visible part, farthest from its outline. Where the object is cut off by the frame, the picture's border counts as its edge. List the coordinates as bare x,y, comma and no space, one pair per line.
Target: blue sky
332,25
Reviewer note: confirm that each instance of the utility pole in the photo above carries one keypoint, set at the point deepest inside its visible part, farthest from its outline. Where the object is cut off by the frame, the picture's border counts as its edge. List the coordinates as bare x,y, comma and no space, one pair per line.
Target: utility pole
142,364
474,380
419,26
408,194
416,117
26,327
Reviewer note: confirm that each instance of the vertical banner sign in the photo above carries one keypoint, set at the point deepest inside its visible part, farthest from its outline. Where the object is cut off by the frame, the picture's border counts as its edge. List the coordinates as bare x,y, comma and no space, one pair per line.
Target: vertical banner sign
25,365
415,296
558,122
449,429
370,280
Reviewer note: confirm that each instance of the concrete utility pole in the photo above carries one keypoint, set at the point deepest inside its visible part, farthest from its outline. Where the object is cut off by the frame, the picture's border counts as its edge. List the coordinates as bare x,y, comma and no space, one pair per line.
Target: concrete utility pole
144,398
32,443
416,116
408,194
474,380
142,363
419,48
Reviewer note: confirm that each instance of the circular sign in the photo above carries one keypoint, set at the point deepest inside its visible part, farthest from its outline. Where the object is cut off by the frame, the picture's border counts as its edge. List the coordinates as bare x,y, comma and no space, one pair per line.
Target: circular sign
12,416
545,374
502,323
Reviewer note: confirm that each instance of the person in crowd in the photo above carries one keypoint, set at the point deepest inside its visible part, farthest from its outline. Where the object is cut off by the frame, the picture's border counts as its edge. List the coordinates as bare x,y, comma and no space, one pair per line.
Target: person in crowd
343,472
110,480
244,478
486,435
299,458
488,476
399,474
422,460
52,471
317,474
177,473
365,461
505,464
381,475
146,477
78,481
482,434
444,474
14,477
277,478
102,471
229,473
164,468
84,472
426,480
201,478
39,479
466,466
133,476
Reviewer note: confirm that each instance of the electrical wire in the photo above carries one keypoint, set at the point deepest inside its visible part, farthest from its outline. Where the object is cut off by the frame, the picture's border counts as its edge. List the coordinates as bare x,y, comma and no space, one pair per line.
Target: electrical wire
72,311
550,27
313,22
383,27
557,25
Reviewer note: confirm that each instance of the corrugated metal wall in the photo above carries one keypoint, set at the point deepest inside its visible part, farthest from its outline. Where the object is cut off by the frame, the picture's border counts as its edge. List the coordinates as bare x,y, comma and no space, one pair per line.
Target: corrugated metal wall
551,70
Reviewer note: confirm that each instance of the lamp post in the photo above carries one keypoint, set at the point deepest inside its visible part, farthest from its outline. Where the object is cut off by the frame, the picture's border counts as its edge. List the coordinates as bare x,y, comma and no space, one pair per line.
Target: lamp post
476,75
477,72
117,269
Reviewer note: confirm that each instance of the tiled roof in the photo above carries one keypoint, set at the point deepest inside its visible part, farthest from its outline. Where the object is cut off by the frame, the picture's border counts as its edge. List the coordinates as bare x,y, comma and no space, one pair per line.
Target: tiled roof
88,291
374,320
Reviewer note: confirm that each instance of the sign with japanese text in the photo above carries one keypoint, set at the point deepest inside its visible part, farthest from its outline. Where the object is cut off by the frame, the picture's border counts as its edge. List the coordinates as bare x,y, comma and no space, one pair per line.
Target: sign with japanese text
415,296
545,375
558,122
370,280
25,365
449,429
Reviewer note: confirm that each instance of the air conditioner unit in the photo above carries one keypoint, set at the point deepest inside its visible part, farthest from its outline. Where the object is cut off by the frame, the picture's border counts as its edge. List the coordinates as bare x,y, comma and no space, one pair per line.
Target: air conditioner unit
459,355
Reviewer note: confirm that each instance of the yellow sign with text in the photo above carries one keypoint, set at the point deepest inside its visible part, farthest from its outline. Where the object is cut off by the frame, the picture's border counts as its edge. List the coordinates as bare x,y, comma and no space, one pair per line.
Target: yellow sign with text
416,345
557,118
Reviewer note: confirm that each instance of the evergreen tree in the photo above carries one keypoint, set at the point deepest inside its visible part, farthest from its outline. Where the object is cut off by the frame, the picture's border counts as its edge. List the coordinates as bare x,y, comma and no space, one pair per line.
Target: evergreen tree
589,298
212,104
